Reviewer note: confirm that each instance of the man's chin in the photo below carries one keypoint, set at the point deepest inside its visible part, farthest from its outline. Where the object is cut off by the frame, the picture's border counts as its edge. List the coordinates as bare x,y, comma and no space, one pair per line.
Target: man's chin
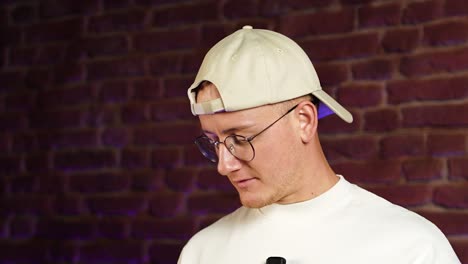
253,202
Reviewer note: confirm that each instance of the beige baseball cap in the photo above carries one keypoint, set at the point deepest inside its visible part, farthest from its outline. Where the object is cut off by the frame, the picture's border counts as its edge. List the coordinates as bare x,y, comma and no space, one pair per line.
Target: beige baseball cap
255,67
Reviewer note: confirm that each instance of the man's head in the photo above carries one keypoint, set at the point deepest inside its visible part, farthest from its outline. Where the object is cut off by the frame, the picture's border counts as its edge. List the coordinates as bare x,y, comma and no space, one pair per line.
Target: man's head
255,95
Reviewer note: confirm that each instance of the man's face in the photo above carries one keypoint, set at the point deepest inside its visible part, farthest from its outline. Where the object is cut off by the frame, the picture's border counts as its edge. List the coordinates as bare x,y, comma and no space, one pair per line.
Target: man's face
271,176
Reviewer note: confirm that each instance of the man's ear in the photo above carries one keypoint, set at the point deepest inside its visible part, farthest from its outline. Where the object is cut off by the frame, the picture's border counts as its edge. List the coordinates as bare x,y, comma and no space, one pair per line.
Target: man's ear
308,120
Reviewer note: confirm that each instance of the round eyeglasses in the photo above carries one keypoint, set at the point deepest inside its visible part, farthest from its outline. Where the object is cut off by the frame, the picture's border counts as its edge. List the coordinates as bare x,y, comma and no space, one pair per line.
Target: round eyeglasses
239,146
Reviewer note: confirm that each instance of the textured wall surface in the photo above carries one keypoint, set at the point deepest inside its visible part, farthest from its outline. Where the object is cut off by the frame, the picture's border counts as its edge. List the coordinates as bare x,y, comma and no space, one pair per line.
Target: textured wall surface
97,163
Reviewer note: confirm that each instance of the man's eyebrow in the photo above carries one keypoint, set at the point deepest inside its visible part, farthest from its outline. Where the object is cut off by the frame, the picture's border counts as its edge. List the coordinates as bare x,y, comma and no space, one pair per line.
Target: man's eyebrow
231,130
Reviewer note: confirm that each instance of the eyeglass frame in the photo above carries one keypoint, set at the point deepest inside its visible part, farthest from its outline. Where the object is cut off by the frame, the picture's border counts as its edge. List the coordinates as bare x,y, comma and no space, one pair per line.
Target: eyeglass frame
246,139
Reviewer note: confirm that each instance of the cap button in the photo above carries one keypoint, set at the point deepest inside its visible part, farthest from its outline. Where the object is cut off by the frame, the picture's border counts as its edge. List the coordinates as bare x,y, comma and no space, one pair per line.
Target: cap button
247,27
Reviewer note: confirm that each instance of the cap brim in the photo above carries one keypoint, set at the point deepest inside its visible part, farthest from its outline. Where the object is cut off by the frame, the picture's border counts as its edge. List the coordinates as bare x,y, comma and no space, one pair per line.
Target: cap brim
332,106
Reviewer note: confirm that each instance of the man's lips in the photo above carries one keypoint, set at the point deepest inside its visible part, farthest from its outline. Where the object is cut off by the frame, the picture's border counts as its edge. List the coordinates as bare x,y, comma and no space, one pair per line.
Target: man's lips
244,183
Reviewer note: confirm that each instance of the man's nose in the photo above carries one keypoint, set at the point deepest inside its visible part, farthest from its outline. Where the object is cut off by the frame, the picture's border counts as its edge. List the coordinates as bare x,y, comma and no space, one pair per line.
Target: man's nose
227,163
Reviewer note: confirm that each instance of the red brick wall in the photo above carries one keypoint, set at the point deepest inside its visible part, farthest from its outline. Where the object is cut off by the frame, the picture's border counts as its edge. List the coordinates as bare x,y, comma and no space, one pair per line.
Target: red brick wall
97,162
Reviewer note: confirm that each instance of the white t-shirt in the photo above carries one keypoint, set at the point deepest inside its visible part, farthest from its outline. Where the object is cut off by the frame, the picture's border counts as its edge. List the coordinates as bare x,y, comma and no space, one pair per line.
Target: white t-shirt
346,224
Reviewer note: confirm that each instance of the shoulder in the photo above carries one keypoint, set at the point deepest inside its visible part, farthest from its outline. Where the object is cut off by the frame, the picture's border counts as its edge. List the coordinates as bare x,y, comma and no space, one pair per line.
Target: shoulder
401,227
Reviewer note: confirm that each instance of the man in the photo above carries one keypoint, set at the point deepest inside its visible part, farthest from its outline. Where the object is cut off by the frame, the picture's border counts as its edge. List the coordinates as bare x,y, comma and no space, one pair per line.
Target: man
259,99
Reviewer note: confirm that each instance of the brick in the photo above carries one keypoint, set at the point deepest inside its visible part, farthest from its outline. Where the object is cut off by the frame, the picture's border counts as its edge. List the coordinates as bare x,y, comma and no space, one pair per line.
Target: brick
114,228
56,119
435,62
135,158
65,97
175,228
22,227
23,184
181,180
333,125
128,204
349,148
135,114
11,81
402,145
54,8
22,101
100,115
360,95
213,203
276,7
456,7
129,20
67,139
27,204
192,156
355,2
452,196
5,142
158,2
381,120
419,12
208,220
37,79
117,137
126,67
461,249
63,30
20,56
37,162
69,205
23,14
177,86
378,69
435,115
318,23
160,41
10,165
66,228
423,169
24,142
458,168
446,144
240,9
210,179
69,73
450,223
164,252
446,33
185,14
114,92
166,157
112,251
400,40
10,36
147,90
343,47
14,251
380,15
52,183
64,251
166,134
211,34
166,204
117,4
332,73
371,171
147,181
169,110
165,64
99,182
95,47
51,54
12,122
405,195
442,88
84,160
